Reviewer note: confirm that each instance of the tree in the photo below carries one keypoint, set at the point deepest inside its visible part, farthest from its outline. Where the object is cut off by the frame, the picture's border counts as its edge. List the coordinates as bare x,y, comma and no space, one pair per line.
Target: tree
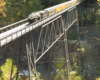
6,70
2,3
19,9
49,3
54,2
45,3
23,7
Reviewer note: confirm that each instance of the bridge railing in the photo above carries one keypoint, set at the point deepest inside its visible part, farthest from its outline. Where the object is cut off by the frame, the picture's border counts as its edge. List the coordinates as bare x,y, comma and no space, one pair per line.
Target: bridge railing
11,26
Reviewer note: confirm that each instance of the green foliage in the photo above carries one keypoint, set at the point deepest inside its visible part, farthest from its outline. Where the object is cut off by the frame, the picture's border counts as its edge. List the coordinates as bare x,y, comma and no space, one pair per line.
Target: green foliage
86,48
54,2
72,75
59,63
98,1
92,16
48,3
38,76
86,16
61,73
84,29
6,70
75,75
2,4
97,73
0,75
72,35
45,3
97,21
75,64
23,7
78,70
97,16
97,78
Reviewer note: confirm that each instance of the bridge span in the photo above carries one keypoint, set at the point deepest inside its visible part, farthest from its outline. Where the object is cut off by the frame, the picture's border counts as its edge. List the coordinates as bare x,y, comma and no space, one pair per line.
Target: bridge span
31,41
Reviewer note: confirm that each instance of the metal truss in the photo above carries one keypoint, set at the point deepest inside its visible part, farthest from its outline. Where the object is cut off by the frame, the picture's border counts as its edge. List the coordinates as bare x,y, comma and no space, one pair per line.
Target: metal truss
35,44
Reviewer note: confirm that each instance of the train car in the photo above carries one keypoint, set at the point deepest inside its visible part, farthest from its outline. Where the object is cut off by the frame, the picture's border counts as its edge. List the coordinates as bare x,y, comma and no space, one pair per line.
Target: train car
67,4
34,15
59,8
71,3
44,14
64,6
74,2
51,10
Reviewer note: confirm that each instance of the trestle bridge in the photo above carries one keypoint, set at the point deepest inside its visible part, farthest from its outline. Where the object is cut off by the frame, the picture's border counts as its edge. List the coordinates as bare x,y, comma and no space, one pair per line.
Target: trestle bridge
33,43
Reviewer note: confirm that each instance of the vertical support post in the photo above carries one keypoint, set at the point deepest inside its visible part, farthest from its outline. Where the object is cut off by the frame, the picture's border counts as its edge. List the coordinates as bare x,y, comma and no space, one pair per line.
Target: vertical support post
49,68
34,57
66,52
66,49
27,51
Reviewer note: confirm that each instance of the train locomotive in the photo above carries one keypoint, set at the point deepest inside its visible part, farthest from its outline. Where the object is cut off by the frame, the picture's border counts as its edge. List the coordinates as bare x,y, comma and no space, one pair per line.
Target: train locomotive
35,16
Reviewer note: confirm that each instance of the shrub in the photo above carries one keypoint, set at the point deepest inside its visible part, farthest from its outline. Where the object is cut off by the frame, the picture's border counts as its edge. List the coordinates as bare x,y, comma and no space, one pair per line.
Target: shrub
78,70
75,75
38,76
97,73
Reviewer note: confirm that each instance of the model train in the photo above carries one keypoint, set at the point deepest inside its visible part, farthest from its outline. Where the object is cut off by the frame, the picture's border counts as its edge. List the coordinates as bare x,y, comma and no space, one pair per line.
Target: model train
52,10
